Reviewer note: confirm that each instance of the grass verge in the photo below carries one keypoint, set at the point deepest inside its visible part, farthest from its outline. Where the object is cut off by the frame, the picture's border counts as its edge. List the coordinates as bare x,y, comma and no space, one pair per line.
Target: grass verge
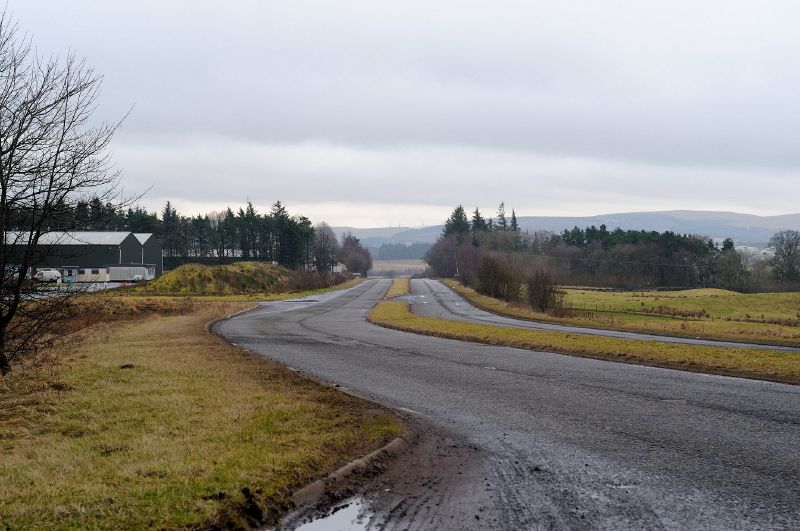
772,365
400,286
158,424
722,324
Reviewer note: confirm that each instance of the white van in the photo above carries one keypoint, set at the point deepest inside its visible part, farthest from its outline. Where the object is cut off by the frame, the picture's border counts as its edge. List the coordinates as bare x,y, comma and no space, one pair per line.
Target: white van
48,275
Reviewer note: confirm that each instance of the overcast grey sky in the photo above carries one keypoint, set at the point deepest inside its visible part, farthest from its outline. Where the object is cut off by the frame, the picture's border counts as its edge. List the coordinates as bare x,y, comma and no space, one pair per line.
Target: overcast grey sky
383,112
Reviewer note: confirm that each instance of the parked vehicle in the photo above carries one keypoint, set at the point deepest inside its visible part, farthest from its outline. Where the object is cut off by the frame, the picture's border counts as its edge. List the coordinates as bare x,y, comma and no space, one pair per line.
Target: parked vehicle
137,278
48,275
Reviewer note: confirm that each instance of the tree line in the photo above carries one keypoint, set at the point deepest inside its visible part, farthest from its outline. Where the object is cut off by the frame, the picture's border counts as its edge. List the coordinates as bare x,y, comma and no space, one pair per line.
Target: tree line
596,256
225,236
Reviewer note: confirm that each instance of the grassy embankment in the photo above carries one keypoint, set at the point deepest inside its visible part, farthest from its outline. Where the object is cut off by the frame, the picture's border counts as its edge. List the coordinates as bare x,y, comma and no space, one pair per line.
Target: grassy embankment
768,318
400,286
156,423
763,364
238,282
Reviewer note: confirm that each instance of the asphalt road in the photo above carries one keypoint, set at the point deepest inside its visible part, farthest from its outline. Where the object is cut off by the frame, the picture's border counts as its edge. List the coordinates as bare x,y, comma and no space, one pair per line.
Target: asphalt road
525,439
432,298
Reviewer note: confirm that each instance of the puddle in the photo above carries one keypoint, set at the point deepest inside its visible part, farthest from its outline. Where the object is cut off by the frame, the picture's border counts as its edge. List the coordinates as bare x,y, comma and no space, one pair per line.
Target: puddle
347,516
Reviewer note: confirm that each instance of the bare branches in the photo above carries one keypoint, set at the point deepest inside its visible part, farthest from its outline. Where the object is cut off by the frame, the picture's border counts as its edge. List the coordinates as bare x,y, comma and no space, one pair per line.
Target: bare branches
51,154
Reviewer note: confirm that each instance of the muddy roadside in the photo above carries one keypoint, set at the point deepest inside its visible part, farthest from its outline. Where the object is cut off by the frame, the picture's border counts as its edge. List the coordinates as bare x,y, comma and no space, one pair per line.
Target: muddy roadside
440,482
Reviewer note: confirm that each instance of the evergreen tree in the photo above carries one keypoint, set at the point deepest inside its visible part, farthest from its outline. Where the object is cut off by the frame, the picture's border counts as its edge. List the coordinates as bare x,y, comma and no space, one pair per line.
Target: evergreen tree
457,224
502,223
727,245
169,220
514,226
478,221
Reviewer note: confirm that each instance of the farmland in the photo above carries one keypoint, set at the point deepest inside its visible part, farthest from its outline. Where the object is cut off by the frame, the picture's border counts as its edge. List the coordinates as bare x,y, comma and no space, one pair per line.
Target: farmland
770,318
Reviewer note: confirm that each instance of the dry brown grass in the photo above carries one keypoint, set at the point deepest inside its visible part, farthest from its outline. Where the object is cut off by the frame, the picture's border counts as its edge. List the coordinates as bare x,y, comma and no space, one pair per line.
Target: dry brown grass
158,424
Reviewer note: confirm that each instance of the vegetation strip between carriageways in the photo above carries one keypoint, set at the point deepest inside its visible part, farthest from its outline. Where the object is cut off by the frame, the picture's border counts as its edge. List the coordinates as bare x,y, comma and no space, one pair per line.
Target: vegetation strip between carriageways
773,365
400,286
718,329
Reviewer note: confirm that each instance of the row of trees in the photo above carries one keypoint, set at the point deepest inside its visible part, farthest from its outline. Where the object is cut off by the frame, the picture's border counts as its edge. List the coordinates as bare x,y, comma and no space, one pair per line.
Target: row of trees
595,256
247,234
459,225
275,236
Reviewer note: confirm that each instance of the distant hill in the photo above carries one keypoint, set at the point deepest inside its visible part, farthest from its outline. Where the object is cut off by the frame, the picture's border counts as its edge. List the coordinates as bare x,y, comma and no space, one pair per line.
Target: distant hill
373,237
745,229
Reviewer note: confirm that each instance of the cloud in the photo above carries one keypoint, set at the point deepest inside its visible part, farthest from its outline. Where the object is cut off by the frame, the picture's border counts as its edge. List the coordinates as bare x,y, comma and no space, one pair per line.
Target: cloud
325,177
573,107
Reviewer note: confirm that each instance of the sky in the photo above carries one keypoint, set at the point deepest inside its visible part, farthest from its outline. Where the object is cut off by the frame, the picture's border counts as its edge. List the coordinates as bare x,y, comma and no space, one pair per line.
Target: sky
387,113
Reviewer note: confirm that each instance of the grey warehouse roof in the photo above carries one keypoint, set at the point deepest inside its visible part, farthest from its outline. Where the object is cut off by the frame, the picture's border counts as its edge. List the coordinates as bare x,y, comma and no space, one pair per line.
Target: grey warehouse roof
83,238
77,238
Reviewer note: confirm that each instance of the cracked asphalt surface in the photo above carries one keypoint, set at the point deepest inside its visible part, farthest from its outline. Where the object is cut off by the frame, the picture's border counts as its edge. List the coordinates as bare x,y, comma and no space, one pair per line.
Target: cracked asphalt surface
520,439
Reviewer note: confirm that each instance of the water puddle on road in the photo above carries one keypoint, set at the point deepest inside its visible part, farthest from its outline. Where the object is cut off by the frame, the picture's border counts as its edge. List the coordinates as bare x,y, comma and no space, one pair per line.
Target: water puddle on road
348,516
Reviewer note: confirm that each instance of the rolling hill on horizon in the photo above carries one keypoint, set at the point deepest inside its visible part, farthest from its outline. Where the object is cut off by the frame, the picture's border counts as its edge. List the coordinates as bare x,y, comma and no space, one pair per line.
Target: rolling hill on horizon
745,229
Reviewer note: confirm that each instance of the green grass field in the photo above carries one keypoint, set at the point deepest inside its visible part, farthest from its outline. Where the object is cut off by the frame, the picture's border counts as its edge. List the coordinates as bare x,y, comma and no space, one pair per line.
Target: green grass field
155,423
706,314
770,308
764,364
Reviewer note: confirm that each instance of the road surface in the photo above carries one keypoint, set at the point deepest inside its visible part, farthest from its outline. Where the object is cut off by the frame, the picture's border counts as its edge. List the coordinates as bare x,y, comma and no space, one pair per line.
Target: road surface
523,439
432,298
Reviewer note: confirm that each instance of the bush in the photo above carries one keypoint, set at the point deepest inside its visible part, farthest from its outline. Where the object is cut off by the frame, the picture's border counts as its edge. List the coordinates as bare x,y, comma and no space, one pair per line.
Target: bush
499,279
543,294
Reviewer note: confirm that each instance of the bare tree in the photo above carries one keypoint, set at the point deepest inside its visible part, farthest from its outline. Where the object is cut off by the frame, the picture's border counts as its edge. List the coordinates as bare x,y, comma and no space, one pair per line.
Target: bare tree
786,262
355,256
325,248
51,155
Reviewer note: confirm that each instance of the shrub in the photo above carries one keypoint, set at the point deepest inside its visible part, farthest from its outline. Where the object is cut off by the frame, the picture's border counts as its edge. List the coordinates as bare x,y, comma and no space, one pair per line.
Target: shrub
499,279
542,292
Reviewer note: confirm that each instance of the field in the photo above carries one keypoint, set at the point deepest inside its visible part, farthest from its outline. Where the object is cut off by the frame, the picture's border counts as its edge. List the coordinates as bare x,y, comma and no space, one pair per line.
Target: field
391,268
769,318
155,423
769,308
764,364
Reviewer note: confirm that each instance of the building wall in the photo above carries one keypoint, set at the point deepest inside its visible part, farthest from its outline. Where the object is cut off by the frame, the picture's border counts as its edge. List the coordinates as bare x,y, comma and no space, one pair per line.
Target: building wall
94,256
131,251
82,255
152,254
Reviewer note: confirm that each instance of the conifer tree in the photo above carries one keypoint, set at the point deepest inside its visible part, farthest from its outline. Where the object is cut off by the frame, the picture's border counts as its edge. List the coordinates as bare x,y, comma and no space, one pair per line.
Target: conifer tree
502,223
478,221
457,224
